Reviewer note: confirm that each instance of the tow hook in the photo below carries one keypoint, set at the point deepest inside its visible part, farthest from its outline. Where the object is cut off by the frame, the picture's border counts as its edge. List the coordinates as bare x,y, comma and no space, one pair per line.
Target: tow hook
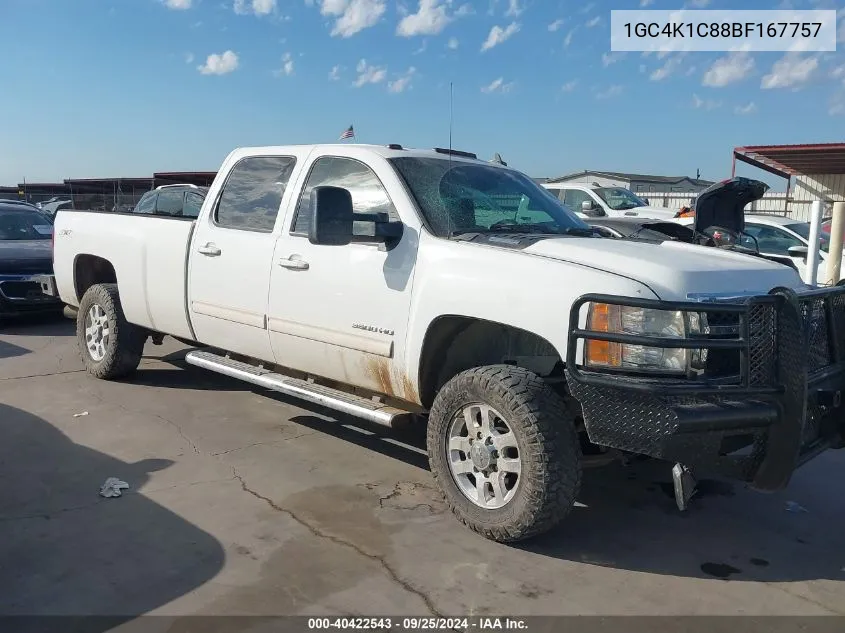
684,486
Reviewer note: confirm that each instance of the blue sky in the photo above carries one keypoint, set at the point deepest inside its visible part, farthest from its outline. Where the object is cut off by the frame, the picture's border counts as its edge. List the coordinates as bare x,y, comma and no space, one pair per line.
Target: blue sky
108,88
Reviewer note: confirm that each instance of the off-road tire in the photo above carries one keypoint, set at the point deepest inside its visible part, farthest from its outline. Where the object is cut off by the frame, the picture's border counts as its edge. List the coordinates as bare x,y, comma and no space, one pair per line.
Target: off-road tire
548,445
126,341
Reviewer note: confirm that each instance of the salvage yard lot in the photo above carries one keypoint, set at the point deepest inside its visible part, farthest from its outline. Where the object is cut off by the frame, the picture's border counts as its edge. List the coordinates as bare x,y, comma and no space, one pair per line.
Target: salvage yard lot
245,502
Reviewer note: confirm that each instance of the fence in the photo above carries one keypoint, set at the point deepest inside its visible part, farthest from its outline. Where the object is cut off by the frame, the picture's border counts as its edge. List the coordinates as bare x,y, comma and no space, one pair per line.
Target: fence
774,203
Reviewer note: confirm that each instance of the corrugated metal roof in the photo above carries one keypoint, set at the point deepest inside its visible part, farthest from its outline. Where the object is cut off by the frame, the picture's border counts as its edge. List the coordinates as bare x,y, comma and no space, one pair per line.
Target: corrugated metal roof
795,160
663,180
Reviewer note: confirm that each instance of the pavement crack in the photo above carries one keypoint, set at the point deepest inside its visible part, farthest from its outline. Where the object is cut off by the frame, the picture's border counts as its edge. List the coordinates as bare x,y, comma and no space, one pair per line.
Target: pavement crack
316,531
54,373
270,443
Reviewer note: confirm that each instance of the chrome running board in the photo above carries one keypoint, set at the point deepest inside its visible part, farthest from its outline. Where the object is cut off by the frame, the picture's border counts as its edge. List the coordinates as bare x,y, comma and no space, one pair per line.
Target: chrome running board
335,399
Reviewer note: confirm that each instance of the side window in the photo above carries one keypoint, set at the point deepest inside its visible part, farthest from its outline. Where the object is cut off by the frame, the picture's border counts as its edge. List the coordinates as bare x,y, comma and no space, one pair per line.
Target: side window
368,194
772,240
253,193
169,202
574,198
146,204
193,204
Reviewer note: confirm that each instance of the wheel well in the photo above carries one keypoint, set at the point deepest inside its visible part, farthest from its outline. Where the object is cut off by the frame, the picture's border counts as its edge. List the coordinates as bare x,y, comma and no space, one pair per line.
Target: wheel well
454,344
89,270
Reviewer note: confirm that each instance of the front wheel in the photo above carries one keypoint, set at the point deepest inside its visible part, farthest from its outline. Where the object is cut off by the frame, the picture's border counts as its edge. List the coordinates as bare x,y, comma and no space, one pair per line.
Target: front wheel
504,450
110,346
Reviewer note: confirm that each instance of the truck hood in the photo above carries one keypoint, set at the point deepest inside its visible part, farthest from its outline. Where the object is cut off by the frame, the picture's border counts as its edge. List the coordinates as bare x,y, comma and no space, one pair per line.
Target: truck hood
18,257
673,270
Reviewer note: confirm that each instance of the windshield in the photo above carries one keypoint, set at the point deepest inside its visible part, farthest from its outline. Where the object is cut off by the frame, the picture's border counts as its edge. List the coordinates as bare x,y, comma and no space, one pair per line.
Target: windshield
24,225
619,199
803,229
461,197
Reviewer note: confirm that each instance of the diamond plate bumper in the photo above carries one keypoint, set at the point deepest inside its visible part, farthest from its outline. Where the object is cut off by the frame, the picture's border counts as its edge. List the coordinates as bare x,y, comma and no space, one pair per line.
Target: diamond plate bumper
770,399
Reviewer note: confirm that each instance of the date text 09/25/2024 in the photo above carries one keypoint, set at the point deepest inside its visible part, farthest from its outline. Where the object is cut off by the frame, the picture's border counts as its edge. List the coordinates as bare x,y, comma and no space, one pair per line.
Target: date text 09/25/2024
481,623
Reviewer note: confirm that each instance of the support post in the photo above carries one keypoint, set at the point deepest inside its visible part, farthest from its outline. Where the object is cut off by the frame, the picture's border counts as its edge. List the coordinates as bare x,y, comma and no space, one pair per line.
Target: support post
834,255
812,273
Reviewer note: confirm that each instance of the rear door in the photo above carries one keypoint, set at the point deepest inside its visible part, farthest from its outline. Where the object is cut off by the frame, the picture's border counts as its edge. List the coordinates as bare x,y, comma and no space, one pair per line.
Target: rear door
232,251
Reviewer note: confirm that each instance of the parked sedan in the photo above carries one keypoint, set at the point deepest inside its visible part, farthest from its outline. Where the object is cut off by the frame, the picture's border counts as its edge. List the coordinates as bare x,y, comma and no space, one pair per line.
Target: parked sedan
25,253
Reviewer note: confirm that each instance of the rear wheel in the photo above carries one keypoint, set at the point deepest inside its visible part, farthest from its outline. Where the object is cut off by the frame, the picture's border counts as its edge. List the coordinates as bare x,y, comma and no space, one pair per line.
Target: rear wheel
504,450
110,346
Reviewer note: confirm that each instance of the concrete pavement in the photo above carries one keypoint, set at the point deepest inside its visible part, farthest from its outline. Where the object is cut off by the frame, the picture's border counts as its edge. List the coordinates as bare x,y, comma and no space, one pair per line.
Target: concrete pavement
245,502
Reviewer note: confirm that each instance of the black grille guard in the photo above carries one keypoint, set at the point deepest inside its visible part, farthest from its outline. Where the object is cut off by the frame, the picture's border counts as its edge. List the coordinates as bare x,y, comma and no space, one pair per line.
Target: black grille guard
786,393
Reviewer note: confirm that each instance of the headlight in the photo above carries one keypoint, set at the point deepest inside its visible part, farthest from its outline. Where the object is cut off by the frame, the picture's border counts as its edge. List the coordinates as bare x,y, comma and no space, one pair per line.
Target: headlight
618,319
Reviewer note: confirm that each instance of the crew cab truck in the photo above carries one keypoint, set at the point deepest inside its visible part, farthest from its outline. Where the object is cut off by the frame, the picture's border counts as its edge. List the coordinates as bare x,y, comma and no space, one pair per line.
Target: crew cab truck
396,284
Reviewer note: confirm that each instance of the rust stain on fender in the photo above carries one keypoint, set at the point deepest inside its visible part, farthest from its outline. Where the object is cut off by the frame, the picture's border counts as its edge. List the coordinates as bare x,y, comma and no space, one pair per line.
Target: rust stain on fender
379,371
391,381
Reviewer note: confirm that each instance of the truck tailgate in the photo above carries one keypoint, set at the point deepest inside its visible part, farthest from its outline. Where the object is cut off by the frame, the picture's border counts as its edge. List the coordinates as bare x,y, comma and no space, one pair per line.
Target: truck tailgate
149,257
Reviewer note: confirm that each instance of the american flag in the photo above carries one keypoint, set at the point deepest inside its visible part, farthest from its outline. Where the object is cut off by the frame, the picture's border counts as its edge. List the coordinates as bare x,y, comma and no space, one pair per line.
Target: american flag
349,133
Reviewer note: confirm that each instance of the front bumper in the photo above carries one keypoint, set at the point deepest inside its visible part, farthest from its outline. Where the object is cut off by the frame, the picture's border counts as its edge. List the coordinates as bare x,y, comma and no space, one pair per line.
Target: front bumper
24,294
782,406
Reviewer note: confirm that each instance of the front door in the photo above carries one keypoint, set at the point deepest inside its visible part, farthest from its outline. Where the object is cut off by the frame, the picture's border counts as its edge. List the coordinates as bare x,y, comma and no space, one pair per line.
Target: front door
231,255
341,312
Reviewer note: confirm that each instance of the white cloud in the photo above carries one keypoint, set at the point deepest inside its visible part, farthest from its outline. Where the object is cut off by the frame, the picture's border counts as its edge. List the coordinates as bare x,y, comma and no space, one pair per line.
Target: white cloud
729,69
497,85
189,58
430,19
791,71
610,92
646,3
219,64
287,66
568,39
178,5
611,58
838,73
402,83
514,9
334,74
698,4
836,107
257,7
588,7
593,22
498,35
368,74
668,68
569,86
555,26
453,43
464,10
749,108
352,16
705,104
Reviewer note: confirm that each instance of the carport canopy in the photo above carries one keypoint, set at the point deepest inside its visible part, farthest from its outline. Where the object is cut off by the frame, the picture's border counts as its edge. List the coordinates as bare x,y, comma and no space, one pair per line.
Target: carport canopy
793,160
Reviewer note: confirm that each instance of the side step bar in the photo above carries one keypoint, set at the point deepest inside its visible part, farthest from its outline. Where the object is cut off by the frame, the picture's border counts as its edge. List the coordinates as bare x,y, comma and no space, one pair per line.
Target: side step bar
335,399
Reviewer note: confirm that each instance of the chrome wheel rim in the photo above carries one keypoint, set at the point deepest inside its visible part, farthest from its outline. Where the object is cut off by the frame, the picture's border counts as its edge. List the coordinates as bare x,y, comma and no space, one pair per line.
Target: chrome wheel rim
483,456
96,332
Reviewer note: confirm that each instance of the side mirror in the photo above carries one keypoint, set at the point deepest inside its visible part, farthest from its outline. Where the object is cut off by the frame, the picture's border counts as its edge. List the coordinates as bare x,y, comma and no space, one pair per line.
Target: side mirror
798,251
586,206
591,209
646,200
331,216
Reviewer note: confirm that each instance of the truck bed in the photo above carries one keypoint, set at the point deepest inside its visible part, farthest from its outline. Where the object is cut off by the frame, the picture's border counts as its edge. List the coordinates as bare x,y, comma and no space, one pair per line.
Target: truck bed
149,254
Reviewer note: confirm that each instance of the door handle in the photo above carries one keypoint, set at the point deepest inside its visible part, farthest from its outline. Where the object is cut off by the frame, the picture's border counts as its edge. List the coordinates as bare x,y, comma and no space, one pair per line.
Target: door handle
209,249
294,263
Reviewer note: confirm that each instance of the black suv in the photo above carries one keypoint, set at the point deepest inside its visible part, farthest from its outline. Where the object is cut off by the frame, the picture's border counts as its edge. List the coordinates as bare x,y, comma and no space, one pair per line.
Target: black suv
173,200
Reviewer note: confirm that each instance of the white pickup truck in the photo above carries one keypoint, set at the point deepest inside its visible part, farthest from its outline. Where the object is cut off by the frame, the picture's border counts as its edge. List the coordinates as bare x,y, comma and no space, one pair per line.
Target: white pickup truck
391,284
